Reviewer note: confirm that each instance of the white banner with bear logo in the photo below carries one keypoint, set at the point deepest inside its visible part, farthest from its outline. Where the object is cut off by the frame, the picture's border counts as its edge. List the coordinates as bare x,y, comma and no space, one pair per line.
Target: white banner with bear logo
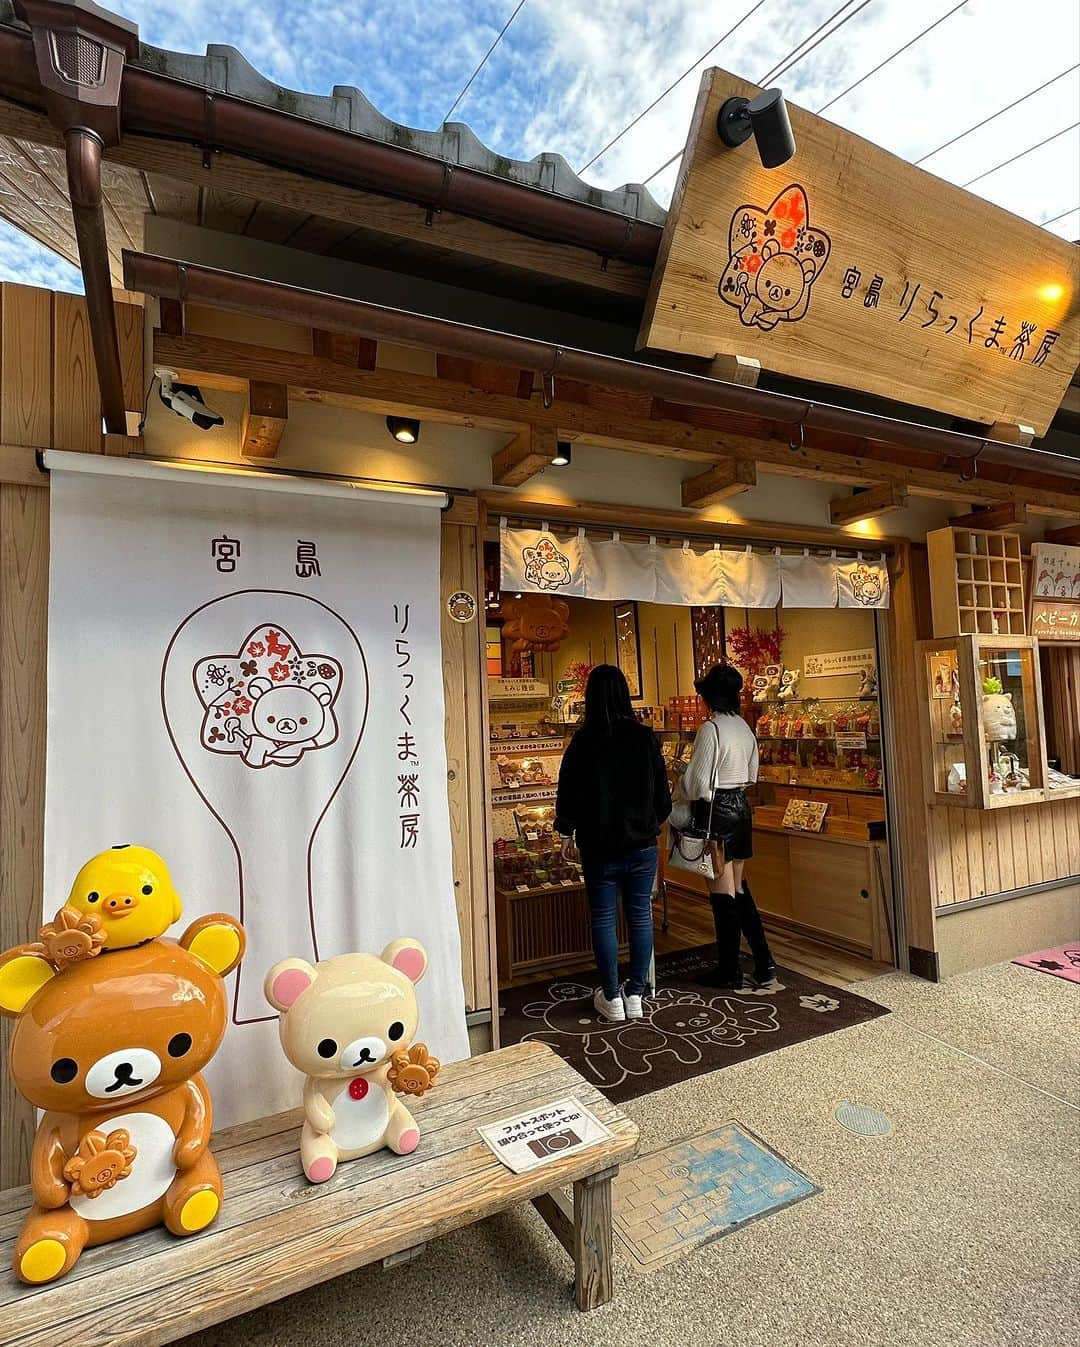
615,570
245,676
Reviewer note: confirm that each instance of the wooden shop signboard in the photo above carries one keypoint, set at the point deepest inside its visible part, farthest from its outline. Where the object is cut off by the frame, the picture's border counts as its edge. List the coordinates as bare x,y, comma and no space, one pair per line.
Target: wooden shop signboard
848,266
1055,592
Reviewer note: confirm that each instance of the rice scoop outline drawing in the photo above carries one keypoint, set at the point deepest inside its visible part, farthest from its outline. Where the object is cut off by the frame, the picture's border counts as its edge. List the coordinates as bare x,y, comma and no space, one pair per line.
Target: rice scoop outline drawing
775,256
269,702
236,722
545,566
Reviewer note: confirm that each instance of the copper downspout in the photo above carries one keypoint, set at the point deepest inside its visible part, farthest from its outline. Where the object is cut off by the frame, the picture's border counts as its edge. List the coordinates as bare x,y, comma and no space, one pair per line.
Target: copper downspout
169,279
83,149
157,105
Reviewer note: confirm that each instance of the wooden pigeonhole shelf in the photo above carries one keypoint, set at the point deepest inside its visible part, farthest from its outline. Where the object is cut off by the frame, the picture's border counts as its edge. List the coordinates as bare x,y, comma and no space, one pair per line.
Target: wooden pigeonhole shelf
976,583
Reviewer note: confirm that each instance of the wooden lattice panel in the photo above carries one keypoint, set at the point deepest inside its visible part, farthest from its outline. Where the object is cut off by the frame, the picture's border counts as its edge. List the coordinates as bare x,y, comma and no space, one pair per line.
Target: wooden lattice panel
976,583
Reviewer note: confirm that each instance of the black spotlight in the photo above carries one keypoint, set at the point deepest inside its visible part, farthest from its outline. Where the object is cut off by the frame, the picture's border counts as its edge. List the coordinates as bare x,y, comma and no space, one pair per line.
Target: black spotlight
562,454
403,428
765,118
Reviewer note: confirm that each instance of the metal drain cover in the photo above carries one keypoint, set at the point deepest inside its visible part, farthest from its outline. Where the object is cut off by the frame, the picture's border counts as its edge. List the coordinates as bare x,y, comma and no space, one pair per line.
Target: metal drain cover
862,1120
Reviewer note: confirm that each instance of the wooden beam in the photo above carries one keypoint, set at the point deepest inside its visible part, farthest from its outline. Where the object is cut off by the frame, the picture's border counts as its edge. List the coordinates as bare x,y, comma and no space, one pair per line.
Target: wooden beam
1008,432
18,466
173,317
345,348
730,477
529,452
868,504
735,369
265,418
1069,535
1009,515
215,363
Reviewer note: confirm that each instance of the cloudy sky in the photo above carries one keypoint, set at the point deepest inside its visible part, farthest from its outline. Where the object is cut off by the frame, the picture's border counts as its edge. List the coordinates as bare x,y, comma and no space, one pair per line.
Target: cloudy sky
570,77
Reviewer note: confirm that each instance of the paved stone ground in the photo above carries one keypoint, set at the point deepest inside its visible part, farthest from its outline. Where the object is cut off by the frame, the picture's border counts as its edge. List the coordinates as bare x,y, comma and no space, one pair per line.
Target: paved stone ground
958,1229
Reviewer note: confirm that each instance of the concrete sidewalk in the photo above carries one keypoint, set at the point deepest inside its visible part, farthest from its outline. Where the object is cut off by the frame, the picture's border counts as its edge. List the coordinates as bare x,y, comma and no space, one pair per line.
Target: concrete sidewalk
960,1229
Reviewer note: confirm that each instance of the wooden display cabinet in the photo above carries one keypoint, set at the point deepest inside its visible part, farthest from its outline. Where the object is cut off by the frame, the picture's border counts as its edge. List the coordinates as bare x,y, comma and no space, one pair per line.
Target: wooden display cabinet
976,582
984,749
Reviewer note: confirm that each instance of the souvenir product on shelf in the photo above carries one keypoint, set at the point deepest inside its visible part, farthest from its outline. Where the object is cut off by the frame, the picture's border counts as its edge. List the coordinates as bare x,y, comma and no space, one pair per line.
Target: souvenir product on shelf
999,714
867,683
765,725
842,720
789,686
509,770
110,1046
766,685
821,727
128,888
873,777
347,1024
535,622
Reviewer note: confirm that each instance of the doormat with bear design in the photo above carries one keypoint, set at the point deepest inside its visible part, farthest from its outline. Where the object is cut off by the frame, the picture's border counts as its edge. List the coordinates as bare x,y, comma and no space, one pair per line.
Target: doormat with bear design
687,1029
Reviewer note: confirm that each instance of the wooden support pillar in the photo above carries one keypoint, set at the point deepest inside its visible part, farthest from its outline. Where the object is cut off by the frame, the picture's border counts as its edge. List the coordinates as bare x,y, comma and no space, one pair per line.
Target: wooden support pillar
344,348
594,1283
868,504
729,477
529,452
265,418
1006,515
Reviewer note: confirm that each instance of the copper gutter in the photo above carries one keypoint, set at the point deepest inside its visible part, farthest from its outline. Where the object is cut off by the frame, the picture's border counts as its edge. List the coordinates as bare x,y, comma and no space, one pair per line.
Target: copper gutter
170,279
152,104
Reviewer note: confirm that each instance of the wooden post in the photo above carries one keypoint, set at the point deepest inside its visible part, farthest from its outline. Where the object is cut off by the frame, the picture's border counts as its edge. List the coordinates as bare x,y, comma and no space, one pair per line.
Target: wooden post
593,1263
1007,515
265,418
730,477
868,504
529,452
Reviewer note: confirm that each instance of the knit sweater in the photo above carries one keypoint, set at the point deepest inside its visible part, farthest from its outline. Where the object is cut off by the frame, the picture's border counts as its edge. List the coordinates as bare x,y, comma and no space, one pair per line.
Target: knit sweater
723,758
613,791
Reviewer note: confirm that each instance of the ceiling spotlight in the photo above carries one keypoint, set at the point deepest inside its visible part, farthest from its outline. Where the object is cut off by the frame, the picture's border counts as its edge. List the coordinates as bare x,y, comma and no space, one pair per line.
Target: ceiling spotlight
403,428
766,119
562,454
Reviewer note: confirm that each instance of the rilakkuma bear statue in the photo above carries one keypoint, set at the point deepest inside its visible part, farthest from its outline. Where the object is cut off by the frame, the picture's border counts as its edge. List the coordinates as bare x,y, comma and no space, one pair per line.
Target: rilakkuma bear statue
110,1044
999,714
347,1023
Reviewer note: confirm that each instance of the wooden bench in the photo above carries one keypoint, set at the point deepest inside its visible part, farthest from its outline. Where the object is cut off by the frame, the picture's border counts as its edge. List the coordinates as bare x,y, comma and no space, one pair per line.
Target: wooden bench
277,1233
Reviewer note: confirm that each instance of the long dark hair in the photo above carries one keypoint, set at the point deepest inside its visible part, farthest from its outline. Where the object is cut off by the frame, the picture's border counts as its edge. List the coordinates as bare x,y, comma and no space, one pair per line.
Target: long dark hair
607,700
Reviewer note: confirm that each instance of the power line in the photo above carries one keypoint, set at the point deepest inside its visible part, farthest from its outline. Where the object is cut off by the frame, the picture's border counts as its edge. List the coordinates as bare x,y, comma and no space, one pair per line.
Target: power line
899,52
1006,162
1056,218
785,63
483,63
688,71
1007,108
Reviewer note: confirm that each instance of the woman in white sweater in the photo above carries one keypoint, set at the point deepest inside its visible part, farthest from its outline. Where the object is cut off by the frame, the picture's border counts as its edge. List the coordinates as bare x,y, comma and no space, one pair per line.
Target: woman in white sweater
724,763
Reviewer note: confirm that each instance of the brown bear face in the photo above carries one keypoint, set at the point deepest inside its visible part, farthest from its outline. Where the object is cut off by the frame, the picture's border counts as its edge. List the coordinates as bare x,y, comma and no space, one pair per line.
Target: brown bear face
782,280
127,1025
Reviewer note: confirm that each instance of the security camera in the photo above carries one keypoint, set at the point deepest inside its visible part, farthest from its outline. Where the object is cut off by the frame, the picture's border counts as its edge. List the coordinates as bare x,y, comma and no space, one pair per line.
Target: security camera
186,400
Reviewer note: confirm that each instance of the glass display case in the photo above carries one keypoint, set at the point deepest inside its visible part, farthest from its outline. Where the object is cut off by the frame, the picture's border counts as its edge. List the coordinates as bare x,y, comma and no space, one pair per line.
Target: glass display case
983,721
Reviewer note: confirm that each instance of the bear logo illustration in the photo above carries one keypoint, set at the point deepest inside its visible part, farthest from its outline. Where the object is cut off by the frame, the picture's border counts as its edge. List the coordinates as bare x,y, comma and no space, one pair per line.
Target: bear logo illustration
866,586
545,566
774,258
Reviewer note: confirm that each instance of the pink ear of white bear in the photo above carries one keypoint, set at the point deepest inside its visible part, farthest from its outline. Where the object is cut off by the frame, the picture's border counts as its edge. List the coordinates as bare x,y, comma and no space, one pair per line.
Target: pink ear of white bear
408,957
285,982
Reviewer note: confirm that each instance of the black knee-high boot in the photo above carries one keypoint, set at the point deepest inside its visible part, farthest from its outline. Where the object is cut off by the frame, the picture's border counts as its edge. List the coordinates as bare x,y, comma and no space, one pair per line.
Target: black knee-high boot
751,926
726,920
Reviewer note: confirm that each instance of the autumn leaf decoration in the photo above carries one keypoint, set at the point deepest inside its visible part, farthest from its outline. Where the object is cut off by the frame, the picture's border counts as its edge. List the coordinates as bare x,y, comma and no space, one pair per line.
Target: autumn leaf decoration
69,938
413,1070
100,1162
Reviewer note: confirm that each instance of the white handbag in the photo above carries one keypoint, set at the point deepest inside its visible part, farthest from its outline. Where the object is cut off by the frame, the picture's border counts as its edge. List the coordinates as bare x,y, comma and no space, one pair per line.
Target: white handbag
691,849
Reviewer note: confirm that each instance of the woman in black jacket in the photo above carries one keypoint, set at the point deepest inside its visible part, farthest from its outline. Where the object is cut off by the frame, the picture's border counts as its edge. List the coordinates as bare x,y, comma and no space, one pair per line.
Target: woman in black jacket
613,800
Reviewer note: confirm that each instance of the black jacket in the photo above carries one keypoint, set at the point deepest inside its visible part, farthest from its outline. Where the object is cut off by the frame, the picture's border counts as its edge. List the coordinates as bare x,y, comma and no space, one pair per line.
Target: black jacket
613,791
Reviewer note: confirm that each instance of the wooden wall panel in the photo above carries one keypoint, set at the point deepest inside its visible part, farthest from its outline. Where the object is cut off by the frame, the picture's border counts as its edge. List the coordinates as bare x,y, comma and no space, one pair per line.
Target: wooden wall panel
464,689
26,361
976,854
76,400
129,327
24,558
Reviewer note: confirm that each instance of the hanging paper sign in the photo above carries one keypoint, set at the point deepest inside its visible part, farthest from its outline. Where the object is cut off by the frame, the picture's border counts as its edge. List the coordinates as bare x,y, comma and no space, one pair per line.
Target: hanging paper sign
837,662
849,266
536,560
1055,592
862,584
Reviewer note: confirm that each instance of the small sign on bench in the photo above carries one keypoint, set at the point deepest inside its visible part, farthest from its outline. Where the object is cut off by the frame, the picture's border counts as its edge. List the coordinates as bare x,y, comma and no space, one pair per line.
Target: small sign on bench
529,1140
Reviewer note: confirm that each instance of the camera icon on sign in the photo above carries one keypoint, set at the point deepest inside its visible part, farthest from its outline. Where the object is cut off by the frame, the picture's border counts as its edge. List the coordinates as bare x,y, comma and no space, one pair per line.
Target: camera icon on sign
542,1147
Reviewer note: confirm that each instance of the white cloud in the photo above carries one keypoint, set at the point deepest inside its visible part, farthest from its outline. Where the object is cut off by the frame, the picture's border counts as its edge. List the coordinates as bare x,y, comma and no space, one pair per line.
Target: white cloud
26,261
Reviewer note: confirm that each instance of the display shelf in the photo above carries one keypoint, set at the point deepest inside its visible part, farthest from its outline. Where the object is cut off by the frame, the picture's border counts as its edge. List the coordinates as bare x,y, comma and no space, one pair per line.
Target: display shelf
817,778
814,738
562,887
536,747
812,701
976,582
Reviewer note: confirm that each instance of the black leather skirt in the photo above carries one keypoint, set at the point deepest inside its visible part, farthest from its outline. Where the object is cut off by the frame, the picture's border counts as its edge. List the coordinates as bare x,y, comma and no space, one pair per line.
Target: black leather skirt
732,823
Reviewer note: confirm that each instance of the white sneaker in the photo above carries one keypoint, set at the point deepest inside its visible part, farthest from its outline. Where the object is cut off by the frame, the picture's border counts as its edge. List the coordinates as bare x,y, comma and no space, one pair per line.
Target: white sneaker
632,1006
608,1010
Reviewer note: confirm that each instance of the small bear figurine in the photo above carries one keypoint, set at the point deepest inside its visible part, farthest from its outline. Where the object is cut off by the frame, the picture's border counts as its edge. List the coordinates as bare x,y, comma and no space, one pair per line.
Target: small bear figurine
347,1023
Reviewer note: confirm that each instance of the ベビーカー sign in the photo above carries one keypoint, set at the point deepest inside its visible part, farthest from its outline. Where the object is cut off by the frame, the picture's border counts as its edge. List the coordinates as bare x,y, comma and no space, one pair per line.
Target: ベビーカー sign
1055,592
849,266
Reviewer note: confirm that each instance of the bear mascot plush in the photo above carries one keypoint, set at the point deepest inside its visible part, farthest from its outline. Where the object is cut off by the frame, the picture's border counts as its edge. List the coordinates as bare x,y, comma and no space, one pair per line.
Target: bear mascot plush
110,1044
348,1024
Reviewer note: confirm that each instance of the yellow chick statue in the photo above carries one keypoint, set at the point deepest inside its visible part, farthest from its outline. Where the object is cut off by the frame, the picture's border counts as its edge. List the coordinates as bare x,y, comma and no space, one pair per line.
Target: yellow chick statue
129,888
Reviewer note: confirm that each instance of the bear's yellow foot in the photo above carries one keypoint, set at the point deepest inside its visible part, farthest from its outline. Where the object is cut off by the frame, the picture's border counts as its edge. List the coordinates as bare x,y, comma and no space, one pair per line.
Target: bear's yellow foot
43,1261
199,1210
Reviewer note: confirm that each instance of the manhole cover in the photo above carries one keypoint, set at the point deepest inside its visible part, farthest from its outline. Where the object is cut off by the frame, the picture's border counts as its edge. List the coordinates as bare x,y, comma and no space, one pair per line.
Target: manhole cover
862,1120
680,1172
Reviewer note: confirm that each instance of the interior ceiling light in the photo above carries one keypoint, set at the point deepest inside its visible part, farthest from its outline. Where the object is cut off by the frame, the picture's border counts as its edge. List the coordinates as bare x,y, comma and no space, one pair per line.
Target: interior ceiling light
403,428
562,454
766,119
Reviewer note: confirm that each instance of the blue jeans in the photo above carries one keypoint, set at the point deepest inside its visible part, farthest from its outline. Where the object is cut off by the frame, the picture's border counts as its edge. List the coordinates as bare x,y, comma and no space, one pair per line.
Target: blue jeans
633,874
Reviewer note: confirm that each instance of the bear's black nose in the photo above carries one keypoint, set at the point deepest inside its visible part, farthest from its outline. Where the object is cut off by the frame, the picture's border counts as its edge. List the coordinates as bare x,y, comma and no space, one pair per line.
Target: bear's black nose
124,1077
